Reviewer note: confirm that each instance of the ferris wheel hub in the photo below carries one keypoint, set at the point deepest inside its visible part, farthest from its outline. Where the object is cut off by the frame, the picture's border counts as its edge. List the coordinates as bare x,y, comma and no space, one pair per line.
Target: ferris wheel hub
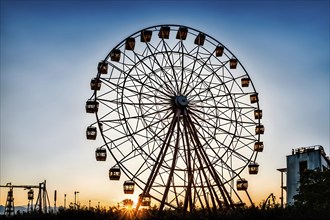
181,101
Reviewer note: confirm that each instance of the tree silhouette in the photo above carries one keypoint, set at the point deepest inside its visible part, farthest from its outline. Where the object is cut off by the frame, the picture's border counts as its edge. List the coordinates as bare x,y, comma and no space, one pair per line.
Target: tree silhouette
314,190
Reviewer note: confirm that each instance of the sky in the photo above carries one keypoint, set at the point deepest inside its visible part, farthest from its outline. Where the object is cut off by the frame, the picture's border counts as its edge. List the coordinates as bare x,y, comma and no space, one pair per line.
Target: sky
50,50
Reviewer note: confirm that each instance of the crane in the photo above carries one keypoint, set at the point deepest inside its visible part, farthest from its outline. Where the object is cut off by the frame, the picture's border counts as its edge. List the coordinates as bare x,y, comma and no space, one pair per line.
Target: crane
41,202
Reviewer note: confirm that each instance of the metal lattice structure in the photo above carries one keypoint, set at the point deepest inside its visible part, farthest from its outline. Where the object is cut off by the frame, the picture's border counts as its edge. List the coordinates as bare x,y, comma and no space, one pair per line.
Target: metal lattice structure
180,117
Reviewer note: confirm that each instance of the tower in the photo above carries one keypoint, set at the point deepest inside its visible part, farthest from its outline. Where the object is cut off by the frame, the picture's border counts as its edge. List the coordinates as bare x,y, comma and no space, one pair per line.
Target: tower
9,209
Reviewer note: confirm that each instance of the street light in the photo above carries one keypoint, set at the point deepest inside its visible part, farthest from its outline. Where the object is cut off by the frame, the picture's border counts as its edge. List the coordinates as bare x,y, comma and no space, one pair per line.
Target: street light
64,201
282,170
75,199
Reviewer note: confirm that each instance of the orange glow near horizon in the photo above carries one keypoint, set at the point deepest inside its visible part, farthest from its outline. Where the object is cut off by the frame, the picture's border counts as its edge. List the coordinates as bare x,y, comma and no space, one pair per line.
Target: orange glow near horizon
257,191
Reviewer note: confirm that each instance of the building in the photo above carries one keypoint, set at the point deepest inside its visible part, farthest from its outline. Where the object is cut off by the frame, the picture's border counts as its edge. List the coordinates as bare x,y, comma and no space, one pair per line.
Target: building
301,159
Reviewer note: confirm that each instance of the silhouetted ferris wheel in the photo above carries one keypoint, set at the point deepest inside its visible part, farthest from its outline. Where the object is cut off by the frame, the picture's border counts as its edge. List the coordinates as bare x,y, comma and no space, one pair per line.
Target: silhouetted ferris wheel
180,117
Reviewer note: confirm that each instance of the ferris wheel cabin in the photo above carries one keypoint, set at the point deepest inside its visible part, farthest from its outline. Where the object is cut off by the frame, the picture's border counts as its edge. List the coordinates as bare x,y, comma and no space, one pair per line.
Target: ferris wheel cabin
182,33
254,98
115,55
219,51
241,184
114,173
258,146
245,82
145,200
233,63
92,106
130,43
164,33
100,154
258,114
199,40
102,68
128,187
95,84
91,133
260,129
146,36
253,168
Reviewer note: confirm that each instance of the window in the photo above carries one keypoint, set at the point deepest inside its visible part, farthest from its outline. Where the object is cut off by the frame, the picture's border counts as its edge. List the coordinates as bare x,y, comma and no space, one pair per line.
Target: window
302,166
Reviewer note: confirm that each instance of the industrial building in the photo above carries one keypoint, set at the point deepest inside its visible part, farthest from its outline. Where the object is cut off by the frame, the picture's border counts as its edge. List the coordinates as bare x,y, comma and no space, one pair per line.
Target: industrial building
302,159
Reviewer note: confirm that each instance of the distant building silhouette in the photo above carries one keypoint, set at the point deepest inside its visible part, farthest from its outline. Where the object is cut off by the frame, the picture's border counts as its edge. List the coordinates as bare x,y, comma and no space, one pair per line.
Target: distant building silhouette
302,159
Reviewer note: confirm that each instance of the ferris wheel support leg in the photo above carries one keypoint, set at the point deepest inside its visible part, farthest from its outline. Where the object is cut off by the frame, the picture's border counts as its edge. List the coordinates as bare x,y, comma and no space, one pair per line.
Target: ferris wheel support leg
209,187
205,195
252,204
188,197
170,178
187,155
227,200
212,193
160,159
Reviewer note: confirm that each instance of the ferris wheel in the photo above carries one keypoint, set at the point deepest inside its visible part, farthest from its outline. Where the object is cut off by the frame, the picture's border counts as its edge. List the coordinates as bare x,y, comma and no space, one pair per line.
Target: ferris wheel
180,118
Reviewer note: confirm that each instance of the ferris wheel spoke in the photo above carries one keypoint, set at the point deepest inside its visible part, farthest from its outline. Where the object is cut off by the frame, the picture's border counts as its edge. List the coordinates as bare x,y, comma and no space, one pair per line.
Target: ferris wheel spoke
144,65
231,134
152,139
210,124
220,145
203,64
118,86
129,157
135,132
132,103
161,67
219,158
151,80
184,53
160,157
171,65
192,71
135,117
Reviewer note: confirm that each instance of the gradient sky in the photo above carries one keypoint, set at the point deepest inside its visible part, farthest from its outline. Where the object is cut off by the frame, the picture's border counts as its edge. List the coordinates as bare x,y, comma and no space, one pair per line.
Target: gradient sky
50,50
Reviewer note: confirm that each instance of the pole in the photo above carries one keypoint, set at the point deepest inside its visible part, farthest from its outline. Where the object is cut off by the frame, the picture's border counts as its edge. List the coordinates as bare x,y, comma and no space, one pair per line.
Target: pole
55,195
281,189
64,201
282,170
75,203
75,200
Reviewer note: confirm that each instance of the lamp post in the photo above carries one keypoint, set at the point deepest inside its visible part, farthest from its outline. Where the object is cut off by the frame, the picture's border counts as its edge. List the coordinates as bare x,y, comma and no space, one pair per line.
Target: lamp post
75,199
282,170
64,201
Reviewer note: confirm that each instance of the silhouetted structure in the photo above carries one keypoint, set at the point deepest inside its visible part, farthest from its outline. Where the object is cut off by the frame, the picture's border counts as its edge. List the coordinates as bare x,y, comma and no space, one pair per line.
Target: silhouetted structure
302,159
180,117
42,203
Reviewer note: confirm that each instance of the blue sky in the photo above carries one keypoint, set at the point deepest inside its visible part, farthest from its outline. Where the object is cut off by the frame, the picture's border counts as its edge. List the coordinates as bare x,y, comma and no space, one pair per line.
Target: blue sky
50,50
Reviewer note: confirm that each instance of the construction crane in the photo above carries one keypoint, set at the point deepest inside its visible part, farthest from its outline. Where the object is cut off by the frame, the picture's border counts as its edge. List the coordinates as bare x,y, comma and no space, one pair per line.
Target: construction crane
42,202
